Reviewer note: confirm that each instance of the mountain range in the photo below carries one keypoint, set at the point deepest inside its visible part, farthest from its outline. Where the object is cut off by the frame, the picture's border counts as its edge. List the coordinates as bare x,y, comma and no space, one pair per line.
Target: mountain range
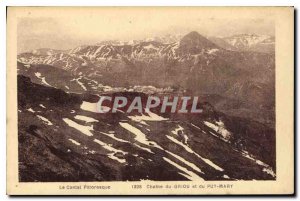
247,42
194,64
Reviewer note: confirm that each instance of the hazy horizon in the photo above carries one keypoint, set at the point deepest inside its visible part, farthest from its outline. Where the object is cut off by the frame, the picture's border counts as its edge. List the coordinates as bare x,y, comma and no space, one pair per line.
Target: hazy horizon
91,27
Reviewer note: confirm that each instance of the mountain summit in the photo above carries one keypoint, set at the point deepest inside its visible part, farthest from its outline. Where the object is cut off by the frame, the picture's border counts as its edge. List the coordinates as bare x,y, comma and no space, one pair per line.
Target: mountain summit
193,43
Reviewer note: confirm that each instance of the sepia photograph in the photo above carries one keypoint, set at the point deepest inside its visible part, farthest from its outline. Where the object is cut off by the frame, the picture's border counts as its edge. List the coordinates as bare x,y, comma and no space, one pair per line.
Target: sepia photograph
159,94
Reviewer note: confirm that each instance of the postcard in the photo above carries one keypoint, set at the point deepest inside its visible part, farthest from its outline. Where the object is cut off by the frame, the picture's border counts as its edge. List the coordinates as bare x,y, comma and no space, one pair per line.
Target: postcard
150,100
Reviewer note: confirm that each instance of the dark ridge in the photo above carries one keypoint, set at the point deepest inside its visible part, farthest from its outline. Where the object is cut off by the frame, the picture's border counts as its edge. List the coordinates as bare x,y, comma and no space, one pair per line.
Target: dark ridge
194,43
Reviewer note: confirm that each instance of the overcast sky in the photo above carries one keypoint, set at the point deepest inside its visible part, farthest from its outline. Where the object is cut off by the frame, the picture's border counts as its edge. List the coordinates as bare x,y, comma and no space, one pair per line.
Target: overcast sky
72,29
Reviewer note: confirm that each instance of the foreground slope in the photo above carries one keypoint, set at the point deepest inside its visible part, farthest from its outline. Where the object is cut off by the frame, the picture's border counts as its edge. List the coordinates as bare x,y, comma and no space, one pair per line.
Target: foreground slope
62,139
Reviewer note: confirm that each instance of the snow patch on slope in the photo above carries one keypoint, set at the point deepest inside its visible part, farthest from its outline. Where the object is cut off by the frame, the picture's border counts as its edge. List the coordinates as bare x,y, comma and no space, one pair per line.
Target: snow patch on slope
187,174
83,129
75,142
139,135
113,150
49,123
219,128
39,75
85,118
188,149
